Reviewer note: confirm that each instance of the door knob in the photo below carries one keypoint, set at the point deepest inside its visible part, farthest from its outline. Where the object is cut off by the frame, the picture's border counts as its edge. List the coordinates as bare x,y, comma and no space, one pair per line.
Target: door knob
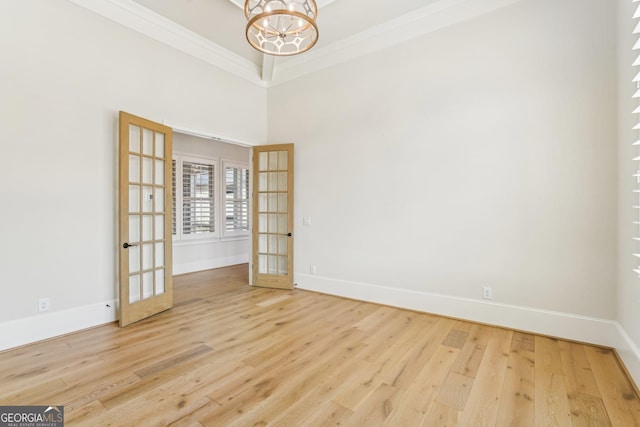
127,245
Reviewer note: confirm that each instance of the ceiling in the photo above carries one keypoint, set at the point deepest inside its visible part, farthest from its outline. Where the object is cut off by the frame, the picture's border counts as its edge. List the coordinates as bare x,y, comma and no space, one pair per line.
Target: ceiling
223,21
214,30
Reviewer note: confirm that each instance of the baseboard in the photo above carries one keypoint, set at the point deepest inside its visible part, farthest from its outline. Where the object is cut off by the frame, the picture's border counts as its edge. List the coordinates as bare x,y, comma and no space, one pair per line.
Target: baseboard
629,354
15,333
603,332
570,326
191,267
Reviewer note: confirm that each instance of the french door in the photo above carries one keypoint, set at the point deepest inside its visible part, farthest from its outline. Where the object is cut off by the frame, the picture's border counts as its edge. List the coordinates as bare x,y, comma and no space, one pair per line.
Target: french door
146,282
272,244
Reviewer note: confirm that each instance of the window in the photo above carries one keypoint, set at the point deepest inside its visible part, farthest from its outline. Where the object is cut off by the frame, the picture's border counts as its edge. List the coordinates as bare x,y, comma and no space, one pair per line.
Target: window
194,197
236,203
198,195
207,202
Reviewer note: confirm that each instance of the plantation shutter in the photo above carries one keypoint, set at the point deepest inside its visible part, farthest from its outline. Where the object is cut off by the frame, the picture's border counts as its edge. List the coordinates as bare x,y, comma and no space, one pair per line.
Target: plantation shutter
198,195
173,198
636,159
236,200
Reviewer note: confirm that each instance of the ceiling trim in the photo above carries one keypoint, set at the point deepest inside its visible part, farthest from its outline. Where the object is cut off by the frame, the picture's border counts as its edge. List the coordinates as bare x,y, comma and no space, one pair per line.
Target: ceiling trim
437,15
320,3
138,18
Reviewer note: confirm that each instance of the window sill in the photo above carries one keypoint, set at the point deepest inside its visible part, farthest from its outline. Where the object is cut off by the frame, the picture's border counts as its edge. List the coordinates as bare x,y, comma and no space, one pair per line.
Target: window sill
208,240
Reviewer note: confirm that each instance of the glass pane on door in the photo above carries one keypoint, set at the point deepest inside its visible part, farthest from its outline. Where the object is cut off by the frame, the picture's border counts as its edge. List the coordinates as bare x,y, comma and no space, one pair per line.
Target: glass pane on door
134,288
134,139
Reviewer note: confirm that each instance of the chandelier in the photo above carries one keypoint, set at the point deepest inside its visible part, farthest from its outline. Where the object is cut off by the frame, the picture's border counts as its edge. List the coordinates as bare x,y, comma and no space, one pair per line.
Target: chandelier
281,27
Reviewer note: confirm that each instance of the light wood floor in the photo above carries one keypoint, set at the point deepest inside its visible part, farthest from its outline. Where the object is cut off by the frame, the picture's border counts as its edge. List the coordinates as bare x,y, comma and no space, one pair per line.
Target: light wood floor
231,355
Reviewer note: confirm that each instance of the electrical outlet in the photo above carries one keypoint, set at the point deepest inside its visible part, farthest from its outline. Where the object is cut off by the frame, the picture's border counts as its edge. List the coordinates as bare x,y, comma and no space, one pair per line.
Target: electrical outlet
44,304
312,269
487,293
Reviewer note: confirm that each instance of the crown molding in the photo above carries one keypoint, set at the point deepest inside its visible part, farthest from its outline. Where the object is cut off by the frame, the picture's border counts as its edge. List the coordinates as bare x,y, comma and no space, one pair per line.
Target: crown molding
437,15
320,3
138,18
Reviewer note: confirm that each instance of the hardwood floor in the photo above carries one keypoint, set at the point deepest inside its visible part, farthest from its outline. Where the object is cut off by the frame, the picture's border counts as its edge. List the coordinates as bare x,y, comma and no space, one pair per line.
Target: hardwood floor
231,355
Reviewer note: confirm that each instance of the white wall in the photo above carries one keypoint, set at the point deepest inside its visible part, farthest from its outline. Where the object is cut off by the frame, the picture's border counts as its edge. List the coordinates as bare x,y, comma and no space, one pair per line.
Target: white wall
203,254
628,282
479,155
64,74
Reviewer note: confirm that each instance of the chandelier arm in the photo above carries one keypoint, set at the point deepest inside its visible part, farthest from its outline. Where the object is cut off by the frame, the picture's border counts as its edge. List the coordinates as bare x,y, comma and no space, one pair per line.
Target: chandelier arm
310,3
264,15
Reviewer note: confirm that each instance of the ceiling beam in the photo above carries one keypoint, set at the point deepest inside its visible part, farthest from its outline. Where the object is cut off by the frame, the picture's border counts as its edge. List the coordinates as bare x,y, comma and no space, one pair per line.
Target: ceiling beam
267,67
